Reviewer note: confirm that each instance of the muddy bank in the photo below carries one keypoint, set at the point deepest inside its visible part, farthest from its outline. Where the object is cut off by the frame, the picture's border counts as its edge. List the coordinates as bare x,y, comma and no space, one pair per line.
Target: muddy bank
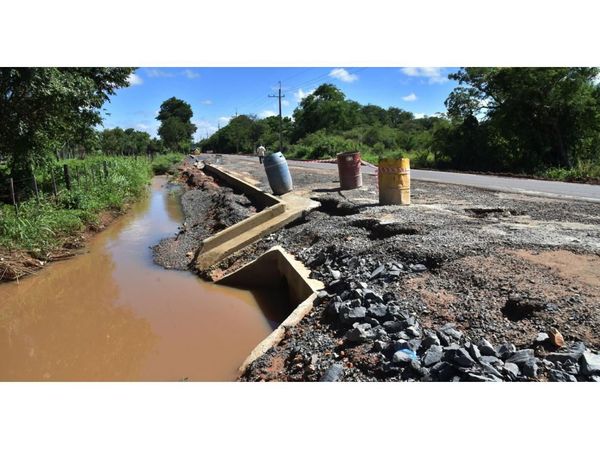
208,208
17,264
460,255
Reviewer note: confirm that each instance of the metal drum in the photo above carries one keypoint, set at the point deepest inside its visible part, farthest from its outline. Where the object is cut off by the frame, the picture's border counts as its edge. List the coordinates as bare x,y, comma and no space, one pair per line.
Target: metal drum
278,173
349,169
394,181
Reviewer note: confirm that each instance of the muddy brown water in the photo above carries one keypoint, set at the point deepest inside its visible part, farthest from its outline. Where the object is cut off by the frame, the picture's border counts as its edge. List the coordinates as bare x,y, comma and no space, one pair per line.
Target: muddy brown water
111,314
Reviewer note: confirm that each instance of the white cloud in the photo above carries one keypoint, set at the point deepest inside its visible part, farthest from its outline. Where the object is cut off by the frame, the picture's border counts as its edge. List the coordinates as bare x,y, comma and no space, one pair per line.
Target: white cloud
206,102
433,74
419,115
343,75
224,120
285,102
266,113
158,73
141,127
410,97
134,80
300,94
191,74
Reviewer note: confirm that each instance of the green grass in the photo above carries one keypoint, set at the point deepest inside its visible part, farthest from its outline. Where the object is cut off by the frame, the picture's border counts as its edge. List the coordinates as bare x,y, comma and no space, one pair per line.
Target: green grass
166,163
42,223
582,172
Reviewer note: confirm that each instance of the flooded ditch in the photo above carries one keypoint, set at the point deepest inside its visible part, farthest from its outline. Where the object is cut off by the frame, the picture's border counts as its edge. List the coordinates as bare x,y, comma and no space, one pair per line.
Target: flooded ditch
112,314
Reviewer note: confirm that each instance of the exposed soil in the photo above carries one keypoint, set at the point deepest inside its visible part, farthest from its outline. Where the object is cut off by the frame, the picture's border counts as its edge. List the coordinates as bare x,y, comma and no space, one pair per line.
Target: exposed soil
208,208
499,266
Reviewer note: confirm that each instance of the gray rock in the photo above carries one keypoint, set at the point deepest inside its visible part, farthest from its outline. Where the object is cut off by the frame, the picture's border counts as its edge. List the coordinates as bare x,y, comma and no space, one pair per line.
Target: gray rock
429,340
354,314
489,369
512,370
541,338
418,267
360,333
473,351
413,331
470,376
377,272
335,274
378,310
530,368
493,360
505,350
460,357
557,375
334,373
443,371
595,378
380,346
590,363
433,355
392,326
563,357
486,348
450,330
521,356
370,295
402,357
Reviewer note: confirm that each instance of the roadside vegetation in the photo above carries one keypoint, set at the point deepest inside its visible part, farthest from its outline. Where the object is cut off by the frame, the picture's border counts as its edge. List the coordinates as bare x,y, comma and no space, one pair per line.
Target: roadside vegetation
542,122
44,221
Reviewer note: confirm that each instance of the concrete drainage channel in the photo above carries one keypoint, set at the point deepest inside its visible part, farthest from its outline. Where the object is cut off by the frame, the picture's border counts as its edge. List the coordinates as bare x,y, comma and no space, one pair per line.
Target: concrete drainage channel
274,270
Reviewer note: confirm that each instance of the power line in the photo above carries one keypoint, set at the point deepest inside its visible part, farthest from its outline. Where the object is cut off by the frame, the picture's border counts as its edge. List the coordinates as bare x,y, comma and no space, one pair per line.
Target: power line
279,96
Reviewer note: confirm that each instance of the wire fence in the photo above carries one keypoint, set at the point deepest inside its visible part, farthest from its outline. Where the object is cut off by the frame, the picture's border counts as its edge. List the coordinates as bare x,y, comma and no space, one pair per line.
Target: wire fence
51,180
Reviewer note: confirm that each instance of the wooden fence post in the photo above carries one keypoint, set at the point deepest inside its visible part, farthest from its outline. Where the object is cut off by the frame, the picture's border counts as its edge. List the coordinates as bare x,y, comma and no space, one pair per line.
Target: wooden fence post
67,176
105,166
12,195
35,186
53,182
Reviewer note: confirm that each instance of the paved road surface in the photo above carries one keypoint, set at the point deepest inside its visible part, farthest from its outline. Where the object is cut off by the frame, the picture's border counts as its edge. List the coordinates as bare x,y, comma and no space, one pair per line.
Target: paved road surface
505,184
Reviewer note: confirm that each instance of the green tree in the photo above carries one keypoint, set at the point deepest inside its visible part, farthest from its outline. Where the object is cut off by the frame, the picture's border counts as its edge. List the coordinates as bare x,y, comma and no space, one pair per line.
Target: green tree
326,108
548,116
43,109
176,128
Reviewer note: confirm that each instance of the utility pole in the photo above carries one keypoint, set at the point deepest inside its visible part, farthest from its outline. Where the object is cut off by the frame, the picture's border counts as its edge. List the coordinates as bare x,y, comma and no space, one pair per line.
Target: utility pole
279,96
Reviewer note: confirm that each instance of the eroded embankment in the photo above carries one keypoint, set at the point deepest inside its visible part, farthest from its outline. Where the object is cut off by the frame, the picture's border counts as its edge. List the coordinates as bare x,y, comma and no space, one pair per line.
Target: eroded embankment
208,208
455,287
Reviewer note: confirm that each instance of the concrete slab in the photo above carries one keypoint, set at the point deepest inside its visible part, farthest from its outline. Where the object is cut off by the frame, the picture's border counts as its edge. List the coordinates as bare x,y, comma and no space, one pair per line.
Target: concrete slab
277,213
270,270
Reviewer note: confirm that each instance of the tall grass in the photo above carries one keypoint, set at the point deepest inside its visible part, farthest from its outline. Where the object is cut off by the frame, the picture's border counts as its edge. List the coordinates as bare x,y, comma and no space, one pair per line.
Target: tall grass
166,163
43,223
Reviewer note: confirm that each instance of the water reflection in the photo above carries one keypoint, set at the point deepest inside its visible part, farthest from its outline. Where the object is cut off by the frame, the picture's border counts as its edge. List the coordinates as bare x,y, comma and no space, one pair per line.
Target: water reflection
111,314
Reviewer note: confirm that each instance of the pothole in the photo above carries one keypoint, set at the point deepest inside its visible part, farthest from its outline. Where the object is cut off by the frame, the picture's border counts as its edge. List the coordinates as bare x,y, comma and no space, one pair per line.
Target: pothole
333,207
492,212
380,230
517,309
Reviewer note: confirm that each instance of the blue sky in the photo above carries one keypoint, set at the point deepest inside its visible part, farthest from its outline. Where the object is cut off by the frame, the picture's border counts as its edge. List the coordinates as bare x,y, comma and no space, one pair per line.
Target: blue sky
215,94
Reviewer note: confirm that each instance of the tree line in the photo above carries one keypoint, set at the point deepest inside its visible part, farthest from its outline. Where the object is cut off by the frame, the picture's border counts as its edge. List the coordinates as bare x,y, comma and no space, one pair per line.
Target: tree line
526,120
497,119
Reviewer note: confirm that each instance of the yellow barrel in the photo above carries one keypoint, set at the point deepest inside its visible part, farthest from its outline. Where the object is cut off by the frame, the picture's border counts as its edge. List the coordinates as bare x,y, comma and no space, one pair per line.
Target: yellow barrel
394,181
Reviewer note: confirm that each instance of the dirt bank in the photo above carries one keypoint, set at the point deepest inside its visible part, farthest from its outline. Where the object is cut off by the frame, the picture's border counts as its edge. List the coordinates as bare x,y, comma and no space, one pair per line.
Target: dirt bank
16,264
208,208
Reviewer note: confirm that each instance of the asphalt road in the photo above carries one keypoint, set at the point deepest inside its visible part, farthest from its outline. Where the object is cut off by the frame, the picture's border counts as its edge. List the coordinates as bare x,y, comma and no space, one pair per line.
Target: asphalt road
554,189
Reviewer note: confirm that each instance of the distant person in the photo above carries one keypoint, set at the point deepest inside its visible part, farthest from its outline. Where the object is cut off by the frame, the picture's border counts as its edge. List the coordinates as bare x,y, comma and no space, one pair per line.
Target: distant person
260,151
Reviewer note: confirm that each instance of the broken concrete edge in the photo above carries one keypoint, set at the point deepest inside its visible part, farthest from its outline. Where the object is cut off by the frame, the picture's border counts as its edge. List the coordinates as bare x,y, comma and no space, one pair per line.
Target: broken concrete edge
302,291
259,197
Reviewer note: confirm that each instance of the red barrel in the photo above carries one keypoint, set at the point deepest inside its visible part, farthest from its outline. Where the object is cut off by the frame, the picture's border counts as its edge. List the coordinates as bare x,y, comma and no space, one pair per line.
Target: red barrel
349,169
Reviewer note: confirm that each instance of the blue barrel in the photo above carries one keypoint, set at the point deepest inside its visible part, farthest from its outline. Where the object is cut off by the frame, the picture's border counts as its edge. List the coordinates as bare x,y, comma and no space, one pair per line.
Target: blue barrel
278,173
